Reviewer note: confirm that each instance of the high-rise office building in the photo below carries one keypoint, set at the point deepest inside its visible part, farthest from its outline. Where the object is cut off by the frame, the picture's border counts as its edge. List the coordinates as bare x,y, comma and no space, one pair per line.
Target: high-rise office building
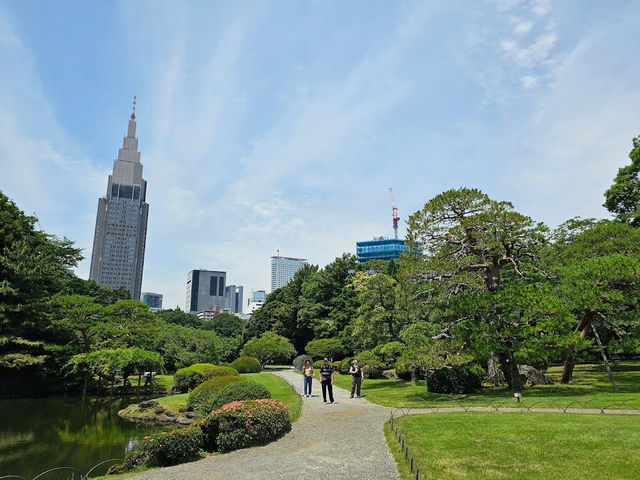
233,298
205,290
154,300
117,258
380,249
283,269
256,301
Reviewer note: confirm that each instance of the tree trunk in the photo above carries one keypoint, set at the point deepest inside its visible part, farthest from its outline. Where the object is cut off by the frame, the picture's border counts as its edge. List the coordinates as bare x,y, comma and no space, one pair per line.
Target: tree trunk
494,374
604,357
511,373
569,362
139,380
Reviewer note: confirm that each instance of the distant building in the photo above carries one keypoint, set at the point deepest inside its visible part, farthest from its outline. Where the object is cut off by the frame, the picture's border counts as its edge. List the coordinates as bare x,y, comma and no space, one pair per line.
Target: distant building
283,269
117,257
154,300
233,298
205,290
380,248
207,315
256,301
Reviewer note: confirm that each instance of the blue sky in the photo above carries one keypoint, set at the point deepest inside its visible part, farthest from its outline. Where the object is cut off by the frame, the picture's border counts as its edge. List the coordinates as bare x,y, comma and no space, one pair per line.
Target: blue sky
281,125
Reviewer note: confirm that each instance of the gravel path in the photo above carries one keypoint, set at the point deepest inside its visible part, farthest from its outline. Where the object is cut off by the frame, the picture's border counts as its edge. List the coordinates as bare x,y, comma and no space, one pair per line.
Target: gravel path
336,441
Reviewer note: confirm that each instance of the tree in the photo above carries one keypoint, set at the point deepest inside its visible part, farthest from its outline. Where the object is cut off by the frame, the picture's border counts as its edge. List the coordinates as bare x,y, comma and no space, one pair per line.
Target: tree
179,317
326,347
623,197
226,324
597,266
478,277
269,348
378,319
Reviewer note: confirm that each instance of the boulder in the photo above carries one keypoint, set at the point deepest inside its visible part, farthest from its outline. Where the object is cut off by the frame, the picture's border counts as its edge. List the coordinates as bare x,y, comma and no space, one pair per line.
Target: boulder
147,404
533,376
169,413
190,414
298,362
164,419
183,408
184,421
159,410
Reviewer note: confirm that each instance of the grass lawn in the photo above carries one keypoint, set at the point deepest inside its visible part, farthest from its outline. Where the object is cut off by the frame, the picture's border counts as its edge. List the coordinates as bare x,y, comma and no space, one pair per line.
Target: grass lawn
523,446
164,381
278,388
591,384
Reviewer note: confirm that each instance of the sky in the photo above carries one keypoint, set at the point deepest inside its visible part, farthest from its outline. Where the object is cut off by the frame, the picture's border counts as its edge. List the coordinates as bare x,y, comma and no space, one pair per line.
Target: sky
281,125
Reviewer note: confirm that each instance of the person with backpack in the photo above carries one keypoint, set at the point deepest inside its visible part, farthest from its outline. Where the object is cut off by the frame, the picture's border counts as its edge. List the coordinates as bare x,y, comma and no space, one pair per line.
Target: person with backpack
326,379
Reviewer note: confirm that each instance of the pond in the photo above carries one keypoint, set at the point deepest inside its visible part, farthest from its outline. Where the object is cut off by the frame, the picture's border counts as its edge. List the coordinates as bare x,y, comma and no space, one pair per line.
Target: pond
39,434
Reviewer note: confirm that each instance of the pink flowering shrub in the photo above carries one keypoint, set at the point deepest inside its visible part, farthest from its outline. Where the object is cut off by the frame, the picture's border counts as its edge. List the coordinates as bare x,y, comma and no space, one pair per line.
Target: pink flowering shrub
163,449
244,424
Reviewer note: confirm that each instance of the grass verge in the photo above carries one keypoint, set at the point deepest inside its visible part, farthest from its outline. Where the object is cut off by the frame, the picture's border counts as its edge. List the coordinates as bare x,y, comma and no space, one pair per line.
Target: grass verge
479,446
591,385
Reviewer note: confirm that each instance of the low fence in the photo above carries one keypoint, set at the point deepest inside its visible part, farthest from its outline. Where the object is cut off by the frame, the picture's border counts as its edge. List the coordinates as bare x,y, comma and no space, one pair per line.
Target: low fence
74,471
445,404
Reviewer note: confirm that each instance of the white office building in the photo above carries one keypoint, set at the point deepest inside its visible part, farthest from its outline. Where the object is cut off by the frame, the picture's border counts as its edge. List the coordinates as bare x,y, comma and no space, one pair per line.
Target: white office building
283,269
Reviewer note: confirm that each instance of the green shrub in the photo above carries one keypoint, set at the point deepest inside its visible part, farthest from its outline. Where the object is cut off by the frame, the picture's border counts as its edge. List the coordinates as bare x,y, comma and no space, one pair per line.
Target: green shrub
246,365
371,365
319,363
244,424
163,449
389,352
201,398
238,391
455,379
345,365
189,378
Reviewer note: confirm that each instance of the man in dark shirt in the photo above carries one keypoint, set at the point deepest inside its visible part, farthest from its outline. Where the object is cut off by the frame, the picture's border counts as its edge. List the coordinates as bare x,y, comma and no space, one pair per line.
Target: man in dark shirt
326,379
356,377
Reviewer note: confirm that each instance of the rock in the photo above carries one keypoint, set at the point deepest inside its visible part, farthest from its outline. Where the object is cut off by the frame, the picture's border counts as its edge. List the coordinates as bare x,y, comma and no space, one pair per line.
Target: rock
164,419
159,410
183,408
169,413
190,415
298,362
533,376
147,404
390,374
184,421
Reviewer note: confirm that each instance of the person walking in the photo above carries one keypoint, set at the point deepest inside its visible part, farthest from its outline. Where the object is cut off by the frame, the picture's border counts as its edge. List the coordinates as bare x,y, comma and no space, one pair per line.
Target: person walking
326,379
357,374
307,371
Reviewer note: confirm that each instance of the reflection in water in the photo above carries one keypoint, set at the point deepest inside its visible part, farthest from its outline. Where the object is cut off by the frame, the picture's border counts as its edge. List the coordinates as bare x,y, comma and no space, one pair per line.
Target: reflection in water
38,434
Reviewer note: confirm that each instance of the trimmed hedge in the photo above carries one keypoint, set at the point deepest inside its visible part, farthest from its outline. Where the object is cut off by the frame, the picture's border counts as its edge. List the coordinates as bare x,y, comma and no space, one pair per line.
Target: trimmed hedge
455,379
188,378
345,365
238,391
244,424
371,364
246,365
201,398
163,449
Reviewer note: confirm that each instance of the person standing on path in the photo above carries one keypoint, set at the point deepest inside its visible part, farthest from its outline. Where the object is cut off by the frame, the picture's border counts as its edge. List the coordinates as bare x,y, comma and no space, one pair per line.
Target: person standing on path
307,371
326,379
357,374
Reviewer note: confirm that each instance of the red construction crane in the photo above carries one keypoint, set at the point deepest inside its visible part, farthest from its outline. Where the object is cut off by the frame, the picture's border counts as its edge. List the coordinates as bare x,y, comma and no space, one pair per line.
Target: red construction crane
394,213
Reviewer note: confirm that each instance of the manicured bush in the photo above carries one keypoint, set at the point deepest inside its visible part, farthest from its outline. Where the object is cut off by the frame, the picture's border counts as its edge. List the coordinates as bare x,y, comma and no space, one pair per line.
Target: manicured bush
345,365
246,365
244,424
319,363
238,391
371,365
201,398
455,379
188,378
163,449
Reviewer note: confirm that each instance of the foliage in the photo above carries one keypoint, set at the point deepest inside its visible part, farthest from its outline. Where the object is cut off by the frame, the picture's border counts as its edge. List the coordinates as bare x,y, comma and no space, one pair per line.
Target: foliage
455,379
245,424
202,397
246,365
389,352
190,377
184,319
269,348
238,391
623,197
371,364
326,347
163,449
226,324
183,346
344,366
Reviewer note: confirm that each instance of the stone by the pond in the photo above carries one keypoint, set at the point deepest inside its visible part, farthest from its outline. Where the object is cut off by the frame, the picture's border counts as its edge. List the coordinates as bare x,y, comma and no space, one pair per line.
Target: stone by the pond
159,410
534,376
147,404
184,421
169,413
183,408
190,414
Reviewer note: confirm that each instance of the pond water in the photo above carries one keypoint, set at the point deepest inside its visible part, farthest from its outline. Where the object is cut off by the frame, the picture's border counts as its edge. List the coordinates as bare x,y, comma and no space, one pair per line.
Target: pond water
39,434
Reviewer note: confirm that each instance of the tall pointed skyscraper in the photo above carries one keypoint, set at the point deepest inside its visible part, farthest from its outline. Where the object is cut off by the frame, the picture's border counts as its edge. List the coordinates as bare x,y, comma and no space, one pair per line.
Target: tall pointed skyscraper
119,240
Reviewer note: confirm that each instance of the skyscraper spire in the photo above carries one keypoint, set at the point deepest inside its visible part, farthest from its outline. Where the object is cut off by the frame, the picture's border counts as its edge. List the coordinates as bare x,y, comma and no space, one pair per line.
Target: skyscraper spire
133,113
